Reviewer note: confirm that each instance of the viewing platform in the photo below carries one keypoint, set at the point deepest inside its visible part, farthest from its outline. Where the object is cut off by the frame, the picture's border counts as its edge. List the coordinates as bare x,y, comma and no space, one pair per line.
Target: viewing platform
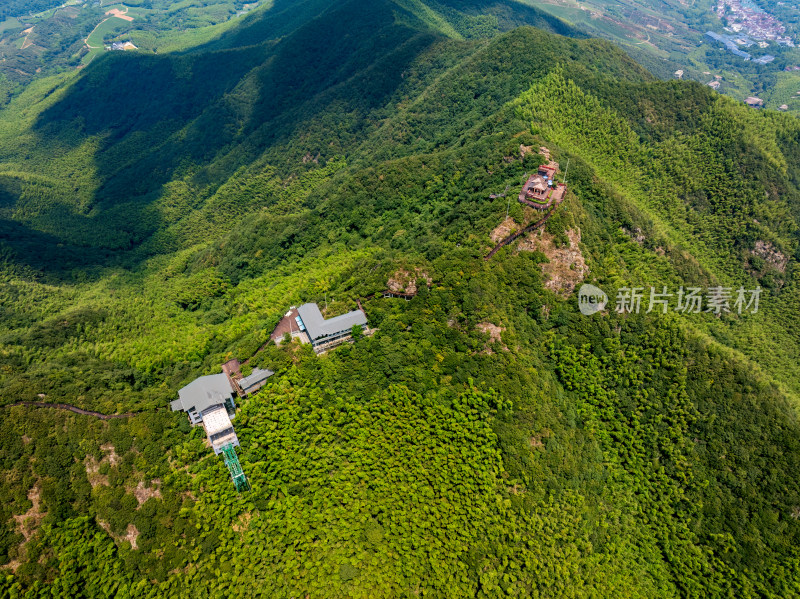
540,191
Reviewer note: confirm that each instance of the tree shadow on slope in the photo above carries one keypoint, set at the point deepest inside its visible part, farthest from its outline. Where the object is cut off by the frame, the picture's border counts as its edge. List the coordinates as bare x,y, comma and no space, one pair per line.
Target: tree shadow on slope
49,255
200,116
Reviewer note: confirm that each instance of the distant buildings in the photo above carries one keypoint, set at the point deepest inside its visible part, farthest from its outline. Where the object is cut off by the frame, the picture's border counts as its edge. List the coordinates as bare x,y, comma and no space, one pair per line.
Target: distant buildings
729,44
120,46
754,102
732,44
678,74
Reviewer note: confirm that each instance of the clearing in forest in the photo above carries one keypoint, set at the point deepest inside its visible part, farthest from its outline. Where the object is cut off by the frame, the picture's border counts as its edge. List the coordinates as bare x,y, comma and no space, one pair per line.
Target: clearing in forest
95,40
566,266
115,12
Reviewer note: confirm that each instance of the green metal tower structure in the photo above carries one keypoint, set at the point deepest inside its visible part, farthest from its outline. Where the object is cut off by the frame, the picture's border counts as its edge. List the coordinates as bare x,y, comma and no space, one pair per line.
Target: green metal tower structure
235,468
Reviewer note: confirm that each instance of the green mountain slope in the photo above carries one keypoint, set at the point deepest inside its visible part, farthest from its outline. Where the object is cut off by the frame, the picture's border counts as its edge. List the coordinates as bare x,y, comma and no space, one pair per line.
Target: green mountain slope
131,124
161,213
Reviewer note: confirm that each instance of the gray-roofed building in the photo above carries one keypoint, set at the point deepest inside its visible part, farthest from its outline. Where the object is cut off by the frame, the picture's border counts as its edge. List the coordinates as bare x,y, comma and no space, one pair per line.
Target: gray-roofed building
203,393
254,382
209,400
729,44
207,392
327,333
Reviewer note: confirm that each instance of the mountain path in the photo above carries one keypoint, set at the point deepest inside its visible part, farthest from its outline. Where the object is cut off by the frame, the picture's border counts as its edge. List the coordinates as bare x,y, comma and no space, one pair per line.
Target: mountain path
539,223
75,409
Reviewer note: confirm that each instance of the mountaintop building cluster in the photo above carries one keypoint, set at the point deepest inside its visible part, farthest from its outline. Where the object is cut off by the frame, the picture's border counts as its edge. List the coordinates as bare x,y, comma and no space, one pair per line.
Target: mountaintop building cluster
209,400
541,191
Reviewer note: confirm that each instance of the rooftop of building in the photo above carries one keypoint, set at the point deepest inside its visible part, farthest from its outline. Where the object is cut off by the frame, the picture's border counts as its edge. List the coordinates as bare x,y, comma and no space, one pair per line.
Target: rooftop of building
258,375
216,420
548,168
317,327
203,393
537,182
219,428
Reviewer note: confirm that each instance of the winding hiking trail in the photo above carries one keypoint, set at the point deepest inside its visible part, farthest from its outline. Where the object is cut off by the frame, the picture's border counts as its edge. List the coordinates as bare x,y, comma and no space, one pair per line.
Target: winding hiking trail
86,40
25,43
77,410
114,14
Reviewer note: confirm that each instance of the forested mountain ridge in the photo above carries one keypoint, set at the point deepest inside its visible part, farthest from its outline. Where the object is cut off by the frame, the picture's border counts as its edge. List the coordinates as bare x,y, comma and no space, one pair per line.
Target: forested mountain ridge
223,105
159,214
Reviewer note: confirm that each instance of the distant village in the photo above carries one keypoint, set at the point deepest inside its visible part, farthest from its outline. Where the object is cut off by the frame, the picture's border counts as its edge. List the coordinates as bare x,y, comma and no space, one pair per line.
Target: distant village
743,16
747,26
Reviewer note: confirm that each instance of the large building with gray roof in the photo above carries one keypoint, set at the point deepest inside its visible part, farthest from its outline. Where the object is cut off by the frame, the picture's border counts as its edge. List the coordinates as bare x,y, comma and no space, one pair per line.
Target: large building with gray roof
210,400
328,333
203,393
